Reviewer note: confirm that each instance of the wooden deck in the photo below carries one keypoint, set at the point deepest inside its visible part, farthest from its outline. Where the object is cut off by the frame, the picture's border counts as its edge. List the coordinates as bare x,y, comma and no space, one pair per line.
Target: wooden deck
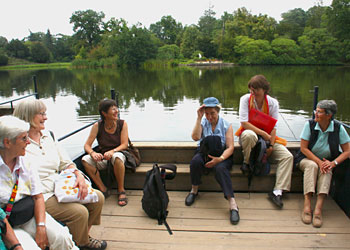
205,225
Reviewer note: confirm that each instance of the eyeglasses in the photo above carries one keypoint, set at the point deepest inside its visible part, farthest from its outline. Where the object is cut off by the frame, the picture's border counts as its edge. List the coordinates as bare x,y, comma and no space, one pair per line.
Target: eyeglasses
319,112
24,138
42,113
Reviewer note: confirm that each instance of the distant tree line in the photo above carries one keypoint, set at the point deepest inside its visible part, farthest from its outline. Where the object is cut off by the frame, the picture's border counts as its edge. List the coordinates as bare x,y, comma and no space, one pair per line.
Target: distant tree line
320,35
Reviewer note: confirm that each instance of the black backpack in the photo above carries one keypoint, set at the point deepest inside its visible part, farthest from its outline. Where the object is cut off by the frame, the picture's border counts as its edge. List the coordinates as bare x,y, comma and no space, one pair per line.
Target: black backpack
259,166
155,198
210,145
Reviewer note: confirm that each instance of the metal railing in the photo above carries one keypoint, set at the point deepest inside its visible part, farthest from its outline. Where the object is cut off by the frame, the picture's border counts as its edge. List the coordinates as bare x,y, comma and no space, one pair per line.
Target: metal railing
36,94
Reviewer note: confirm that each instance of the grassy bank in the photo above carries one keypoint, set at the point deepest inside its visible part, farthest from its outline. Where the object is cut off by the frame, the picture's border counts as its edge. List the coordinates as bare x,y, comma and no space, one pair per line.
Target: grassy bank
36,66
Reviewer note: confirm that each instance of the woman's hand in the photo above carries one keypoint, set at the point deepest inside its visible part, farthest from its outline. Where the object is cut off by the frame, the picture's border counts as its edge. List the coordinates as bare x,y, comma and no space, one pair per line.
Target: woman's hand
108,155
81,185
213,162
326,166
200,111
269,151
41,237
96,156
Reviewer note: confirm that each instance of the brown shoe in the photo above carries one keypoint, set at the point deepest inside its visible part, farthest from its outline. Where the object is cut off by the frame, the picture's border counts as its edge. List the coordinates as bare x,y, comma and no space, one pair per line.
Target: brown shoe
317,220
306,217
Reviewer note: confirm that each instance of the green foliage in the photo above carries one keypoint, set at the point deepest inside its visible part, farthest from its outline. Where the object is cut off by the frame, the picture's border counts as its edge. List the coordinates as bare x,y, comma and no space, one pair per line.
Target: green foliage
88,26
3,58
339,19
167,29
189,41
254,51
292,24
3,42
39,53
134,46
168,52
286,51
318,46
16,48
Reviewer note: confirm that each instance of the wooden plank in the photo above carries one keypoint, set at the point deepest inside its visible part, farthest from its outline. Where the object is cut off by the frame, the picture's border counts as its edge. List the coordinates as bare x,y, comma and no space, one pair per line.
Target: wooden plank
262,226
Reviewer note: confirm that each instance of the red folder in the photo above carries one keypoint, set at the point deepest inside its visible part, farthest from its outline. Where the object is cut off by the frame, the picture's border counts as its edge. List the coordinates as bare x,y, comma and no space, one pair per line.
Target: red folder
262,120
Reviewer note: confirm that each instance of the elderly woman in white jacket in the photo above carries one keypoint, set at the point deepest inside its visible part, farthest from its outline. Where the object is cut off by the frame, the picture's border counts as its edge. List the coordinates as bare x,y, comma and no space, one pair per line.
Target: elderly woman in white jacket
41,231
50,159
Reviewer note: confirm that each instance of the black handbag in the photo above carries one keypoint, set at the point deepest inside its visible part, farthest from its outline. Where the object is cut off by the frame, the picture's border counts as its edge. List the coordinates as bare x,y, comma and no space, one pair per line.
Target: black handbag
22,211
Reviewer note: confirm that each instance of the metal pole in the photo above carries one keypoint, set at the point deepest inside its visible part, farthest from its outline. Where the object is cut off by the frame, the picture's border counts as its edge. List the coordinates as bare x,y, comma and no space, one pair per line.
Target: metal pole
35,87
315,100
112,94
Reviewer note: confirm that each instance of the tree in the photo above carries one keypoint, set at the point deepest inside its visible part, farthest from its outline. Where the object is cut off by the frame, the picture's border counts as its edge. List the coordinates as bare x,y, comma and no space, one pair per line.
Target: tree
339,19
134,46
39,52
316,17
263,27
286,50
207,26
88,26
3,42
292,24
252,51
63,51
189,42
168,52
3,58
35,37
16,48
166,29
318,46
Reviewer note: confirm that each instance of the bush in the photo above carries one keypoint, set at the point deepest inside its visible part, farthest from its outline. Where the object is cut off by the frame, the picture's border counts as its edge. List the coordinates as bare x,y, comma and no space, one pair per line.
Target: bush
3,60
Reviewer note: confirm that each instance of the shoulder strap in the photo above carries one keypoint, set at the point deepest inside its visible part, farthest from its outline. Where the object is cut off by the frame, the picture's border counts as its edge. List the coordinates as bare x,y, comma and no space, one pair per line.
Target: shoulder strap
9,205
172,168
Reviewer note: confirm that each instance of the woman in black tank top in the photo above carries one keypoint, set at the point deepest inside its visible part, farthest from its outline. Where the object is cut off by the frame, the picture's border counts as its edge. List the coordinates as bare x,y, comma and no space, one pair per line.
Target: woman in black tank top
112,137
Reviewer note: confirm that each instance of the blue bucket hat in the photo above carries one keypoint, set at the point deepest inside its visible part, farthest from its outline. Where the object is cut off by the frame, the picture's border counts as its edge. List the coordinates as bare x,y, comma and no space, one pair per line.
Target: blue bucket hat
211,102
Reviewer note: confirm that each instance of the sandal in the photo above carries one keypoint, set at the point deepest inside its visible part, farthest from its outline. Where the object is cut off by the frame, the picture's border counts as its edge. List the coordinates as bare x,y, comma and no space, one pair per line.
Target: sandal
122,199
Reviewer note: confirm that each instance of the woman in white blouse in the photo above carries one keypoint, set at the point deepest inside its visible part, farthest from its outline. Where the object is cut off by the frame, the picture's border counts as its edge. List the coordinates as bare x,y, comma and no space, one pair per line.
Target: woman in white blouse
50,159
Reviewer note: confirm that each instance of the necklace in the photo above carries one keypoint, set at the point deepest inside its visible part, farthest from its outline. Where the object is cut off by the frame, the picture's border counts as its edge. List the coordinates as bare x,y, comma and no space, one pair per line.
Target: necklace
110,127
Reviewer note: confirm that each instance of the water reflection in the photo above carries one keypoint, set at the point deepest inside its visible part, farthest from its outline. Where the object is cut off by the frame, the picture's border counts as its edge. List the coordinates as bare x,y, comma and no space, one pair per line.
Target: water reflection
161,104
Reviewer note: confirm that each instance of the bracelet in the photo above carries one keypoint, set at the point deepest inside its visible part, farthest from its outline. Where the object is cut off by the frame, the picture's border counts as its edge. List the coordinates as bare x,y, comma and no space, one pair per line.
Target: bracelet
91,152
222,157
14,246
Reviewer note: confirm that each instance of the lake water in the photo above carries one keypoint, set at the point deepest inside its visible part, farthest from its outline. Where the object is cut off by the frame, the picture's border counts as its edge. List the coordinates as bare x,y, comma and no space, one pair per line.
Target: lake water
160,105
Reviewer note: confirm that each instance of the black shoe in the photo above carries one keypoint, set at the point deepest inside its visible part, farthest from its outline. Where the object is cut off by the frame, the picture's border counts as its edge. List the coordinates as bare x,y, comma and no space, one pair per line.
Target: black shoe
245,168
234,216
191,197
276,199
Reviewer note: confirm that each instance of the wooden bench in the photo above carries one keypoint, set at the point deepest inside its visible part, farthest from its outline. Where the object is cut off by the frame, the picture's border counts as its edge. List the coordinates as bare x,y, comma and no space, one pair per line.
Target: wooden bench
181,153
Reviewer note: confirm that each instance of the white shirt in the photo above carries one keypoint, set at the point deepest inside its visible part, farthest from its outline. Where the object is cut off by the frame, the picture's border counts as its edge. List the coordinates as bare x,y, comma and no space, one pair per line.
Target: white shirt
49,159
28,183
244,107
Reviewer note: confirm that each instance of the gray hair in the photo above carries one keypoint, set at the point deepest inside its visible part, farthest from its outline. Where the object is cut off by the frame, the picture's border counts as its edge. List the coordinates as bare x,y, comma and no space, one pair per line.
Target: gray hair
329,106
27,109
11,127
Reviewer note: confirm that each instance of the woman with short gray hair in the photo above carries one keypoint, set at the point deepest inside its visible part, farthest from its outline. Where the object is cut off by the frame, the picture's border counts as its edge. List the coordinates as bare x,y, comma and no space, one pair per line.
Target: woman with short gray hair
319,146
38,230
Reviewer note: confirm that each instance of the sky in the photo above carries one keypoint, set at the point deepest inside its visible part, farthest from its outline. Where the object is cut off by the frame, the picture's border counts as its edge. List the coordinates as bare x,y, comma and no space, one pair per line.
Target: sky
19,17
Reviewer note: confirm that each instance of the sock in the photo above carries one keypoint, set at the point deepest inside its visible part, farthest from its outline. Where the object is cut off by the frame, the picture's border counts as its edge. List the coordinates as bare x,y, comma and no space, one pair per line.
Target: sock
277,192
233,204
194,189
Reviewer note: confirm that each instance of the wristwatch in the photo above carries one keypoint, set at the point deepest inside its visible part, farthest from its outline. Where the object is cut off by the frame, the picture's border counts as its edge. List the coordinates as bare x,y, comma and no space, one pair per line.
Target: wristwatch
335,162
41,224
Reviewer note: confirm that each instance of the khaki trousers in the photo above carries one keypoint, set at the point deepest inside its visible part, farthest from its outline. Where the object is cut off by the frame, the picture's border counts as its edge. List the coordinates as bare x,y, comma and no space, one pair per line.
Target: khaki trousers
280,155
78,217
313,177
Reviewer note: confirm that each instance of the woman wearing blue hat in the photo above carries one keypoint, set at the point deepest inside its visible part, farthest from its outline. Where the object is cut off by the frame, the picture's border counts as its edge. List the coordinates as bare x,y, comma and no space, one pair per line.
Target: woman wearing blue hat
214,152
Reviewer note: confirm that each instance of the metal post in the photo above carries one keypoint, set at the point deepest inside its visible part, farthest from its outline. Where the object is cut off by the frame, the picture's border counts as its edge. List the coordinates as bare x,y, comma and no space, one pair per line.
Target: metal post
35,87
112,94
315,100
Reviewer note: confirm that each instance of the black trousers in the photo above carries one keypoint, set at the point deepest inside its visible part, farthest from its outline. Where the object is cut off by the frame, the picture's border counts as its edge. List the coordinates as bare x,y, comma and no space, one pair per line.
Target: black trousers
222,173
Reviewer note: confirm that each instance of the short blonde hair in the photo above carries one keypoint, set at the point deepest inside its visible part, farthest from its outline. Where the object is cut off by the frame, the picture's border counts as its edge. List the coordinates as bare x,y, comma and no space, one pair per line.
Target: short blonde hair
27,109
11,127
